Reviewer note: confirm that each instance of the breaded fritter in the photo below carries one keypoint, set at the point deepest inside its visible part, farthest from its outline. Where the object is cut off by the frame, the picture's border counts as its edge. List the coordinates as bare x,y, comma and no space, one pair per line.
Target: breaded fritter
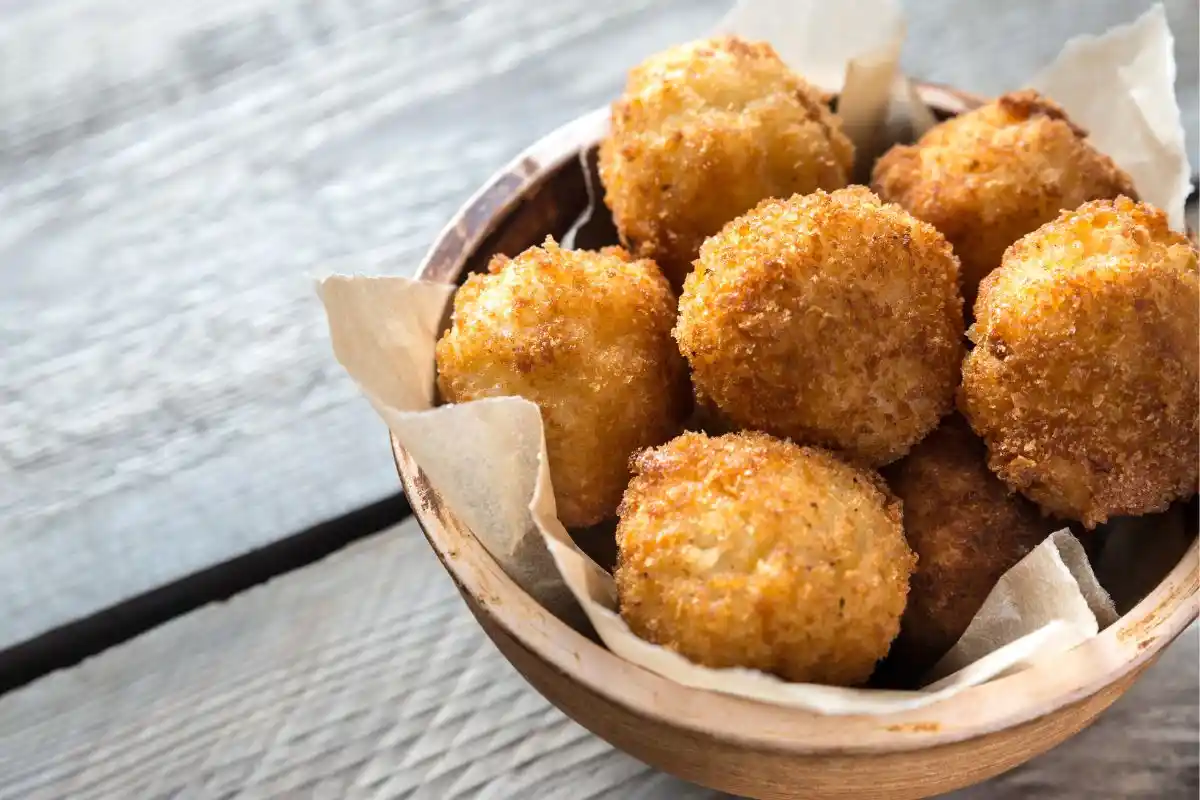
830,319
586,336
702,133
967,529
747,551
988,177
1083,379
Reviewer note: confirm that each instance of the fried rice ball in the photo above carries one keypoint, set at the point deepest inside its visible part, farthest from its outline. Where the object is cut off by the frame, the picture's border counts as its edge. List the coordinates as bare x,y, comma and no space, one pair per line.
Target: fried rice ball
702,133
1083,379
988,177
744,550
586,336
830,319
967,529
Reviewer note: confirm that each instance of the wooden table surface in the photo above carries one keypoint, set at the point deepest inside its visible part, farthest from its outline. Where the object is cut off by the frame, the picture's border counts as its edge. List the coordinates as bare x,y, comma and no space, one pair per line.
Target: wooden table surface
172,175
365,676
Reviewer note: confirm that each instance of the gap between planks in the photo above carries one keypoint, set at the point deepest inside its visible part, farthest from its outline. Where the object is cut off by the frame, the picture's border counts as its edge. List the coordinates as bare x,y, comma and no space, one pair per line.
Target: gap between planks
72,643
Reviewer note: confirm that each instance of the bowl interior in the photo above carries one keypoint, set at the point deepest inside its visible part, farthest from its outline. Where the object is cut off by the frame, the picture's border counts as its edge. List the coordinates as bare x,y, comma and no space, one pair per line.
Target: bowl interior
543,193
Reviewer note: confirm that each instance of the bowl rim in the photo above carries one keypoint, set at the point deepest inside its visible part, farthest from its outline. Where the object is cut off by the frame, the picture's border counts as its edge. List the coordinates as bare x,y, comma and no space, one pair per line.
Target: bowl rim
1046,686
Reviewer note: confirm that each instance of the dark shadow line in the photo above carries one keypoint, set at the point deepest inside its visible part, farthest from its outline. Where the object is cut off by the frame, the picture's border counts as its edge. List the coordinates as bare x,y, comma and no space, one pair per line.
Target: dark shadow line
69,644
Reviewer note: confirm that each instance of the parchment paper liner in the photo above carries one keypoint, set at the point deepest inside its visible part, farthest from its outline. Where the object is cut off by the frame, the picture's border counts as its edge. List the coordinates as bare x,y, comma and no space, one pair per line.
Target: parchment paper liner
487,458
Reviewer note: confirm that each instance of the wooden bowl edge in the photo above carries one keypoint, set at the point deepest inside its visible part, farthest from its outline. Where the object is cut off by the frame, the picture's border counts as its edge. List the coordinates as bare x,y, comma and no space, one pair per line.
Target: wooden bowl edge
1121,649
994,706
767,773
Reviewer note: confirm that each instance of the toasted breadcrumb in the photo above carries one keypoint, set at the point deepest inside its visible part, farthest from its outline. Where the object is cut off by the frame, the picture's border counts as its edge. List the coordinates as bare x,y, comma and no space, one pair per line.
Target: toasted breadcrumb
831,319
1083,379
967,529
988,177
586,336
702,133
747,551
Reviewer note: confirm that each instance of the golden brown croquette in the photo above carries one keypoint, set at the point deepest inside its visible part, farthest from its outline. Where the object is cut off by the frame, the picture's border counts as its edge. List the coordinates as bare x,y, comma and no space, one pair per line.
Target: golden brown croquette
831,319
586,336
1083,379
967,529
702,133
988,177
747,551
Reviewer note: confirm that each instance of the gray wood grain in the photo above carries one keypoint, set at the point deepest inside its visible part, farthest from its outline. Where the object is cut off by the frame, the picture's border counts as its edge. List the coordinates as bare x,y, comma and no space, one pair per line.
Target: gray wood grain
172,175
365,676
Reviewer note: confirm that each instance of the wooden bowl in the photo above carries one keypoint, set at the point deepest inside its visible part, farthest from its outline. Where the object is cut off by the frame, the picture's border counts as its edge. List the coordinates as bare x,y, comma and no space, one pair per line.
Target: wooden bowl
724,742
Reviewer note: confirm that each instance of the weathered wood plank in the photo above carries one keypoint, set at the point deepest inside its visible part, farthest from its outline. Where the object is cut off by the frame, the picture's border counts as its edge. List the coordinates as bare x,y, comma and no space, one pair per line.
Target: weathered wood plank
365,676
172,173
170,177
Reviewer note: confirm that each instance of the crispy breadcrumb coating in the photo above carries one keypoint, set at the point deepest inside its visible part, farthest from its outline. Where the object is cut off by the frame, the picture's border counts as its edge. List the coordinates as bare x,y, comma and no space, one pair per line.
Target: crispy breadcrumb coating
747,551
829,319
988,177
586,336
1083,380
967,529
702,133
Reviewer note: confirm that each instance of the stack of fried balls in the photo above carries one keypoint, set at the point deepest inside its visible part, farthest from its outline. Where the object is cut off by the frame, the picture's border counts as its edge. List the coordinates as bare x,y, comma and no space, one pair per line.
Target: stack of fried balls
868,466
